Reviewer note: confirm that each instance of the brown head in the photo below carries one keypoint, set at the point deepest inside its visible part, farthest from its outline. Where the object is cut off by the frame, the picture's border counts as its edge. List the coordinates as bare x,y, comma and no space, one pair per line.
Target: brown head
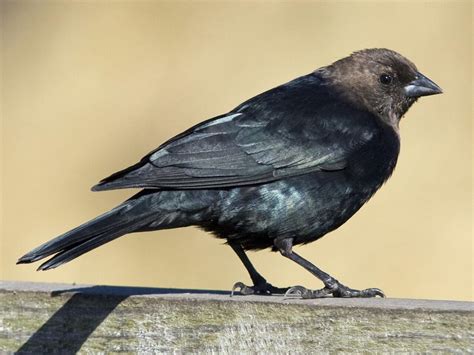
380,80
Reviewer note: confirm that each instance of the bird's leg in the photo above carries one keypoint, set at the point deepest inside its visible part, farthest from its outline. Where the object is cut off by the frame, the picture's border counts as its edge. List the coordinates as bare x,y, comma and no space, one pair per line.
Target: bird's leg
331,285
260,285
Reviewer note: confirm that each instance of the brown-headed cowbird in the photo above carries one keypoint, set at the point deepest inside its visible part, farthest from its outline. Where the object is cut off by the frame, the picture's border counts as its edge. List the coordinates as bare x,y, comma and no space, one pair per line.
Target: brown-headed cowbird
283,168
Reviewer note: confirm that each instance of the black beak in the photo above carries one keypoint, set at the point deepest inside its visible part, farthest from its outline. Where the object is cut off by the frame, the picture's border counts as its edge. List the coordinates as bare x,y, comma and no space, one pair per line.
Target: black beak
421,86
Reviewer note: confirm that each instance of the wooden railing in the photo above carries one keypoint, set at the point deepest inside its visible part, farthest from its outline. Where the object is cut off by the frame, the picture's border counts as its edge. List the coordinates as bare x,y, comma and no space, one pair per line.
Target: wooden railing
54,318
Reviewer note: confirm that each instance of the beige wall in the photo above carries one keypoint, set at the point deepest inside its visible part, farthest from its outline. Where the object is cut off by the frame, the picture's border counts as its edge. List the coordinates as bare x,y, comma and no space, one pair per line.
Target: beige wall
88,88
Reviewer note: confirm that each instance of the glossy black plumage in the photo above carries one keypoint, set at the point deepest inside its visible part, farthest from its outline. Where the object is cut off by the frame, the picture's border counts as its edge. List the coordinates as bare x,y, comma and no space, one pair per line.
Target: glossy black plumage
263,140
283,168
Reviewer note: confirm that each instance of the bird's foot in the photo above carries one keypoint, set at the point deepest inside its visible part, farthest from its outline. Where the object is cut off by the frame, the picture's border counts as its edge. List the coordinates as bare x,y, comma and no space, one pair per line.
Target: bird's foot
336,290
263,288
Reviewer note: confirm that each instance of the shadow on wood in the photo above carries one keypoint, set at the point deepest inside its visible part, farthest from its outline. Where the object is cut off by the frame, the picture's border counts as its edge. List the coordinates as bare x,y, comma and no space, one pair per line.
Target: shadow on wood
70,327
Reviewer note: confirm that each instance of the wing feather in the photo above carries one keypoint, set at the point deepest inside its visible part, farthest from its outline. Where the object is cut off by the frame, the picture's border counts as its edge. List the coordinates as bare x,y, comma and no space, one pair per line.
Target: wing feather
258,142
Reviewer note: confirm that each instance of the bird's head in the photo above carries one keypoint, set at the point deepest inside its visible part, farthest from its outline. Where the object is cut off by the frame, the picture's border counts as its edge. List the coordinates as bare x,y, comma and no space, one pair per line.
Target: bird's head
382,81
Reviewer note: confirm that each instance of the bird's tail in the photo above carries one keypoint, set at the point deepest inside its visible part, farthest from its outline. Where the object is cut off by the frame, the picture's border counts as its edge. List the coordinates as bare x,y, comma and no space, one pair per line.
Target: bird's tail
128,217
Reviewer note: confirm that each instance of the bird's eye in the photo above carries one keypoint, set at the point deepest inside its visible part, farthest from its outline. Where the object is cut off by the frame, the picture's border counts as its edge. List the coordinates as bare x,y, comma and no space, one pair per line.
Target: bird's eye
385,79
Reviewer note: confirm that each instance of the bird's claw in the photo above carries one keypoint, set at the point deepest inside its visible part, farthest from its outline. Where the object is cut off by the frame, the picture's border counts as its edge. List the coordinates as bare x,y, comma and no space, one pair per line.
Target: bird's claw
346,292
338,290
242,288
296,292
259,289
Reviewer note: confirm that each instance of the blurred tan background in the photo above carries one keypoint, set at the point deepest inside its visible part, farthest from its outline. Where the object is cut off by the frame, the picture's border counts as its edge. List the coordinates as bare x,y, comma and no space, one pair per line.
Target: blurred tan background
89,87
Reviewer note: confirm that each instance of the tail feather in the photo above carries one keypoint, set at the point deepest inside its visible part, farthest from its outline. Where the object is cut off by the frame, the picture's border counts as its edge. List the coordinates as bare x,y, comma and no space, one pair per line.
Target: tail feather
125,218
75,250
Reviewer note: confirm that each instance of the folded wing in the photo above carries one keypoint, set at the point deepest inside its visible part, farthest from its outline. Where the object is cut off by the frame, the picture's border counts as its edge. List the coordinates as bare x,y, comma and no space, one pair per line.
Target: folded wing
253,145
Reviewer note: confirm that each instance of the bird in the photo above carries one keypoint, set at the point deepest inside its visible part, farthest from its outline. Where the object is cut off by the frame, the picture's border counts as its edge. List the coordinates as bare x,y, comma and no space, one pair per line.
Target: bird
283,168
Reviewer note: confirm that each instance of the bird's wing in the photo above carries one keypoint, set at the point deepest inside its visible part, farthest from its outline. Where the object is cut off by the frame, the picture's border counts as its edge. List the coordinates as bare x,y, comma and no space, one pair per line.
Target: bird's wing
263,140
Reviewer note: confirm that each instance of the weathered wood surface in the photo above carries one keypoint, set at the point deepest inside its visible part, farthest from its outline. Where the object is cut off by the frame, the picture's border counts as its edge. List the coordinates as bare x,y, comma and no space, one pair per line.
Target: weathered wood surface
55,318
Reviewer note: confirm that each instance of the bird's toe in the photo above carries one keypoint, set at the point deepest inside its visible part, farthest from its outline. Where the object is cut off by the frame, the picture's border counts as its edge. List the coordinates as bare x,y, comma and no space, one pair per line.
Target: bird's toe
346,292
303,292
296,292
373,292
242,288
265,289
